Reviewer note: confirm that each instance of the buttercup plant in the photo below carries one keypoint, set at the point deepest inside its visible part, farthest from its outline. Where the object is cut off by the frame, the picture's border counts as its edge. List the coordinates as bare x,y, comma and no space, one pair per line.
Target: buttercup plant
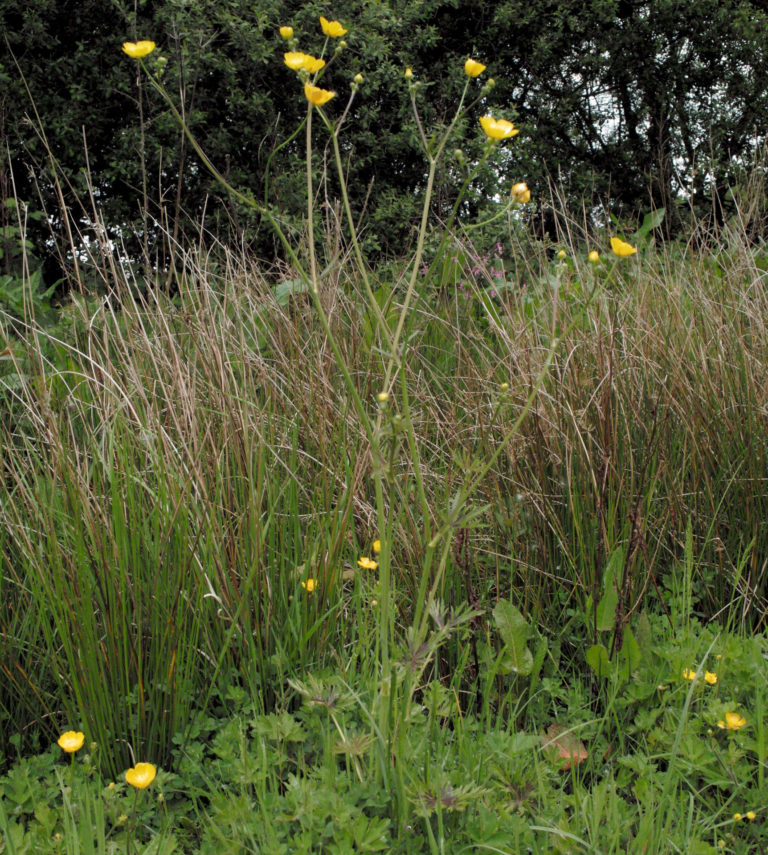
322,102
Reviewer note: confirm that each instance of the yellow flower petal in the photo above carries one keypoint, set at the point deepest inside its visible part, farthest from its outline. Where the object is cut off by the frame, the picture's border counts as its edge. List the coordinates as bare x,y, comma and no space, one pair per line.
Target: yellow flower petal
313,65
71,741
377,546
594,257
473,68
733,721
286,33
498,129
710,677
621,248
295,59
521,193
408,74
366,563
317,96
689,673
310,585
332,28
137,50
141,776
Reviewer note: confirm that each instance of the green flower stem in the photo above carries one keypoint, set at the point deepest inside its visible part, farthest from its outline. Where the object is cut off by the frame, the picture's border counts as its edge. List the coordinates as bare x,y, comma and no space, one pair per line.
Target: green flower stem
380,320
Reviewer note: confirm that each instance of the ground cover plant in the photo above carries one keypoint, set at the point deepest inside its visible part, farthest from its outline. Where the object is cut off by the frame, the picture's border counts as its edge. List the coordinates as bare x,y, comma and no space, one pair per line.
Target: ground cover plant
464,553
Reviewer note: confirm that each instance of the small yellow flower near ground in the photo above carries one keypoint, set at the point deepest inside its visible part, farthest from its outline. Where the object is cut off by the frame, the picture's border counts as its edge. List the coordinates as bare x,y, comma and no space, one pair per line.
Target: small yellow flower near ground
473,68
366,563
737,817
689,673
621,248
382,397
561,254
332,28
376,547
498,129
358,79
733,721
750,815
408,74
521,193
286,33
71,741
310,585
503,387
137,50
141,776
710,677
594,257
317,96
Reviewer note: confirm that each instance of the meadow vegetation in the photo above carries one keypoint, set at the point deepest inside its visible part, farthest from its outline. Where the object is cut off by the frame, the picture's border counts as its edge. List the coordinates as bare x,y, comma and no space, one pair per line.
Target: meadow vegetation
461,552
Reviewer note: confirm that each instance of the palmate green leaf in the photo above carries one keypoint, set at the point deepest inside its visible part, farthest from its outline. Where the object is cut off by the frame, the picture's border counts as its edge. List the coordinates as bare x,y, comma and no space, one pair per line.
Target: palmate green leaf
513,628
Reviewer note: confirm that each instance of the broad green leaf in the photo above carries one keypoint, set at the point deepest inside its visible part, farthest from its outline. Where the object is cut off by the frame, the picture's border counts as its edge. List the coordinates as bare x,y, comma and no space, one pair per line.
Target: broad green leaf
514,630
284,290
630,654
651,221
597,659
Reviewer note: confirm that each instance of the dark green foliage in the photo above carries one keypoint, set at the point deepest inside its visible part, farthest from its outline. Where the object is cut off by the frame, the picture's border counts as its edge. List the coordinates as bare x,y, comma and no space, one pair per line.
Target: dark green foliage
636,102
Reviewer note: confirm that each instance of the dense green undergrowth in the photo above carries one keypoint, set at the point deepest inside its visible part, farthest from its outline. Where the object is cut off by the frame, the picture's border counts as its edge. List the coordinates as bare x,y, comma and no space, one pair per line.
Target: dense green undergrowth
176,468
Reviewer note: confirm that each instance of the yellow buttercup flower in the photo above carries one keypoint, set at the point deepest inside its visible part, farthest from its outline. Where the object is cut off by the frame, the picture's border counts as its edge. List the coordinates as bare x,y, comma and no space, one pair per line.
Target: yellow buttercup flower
473,68
750,815
310,585
621,248
377,546
382,397
141,776
313,65
737,817
498,129
521,193
689,673
317,96
286,33
366,563
594,257
295,59
71,741
137,50
733,721
332,28
710,677
408,74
